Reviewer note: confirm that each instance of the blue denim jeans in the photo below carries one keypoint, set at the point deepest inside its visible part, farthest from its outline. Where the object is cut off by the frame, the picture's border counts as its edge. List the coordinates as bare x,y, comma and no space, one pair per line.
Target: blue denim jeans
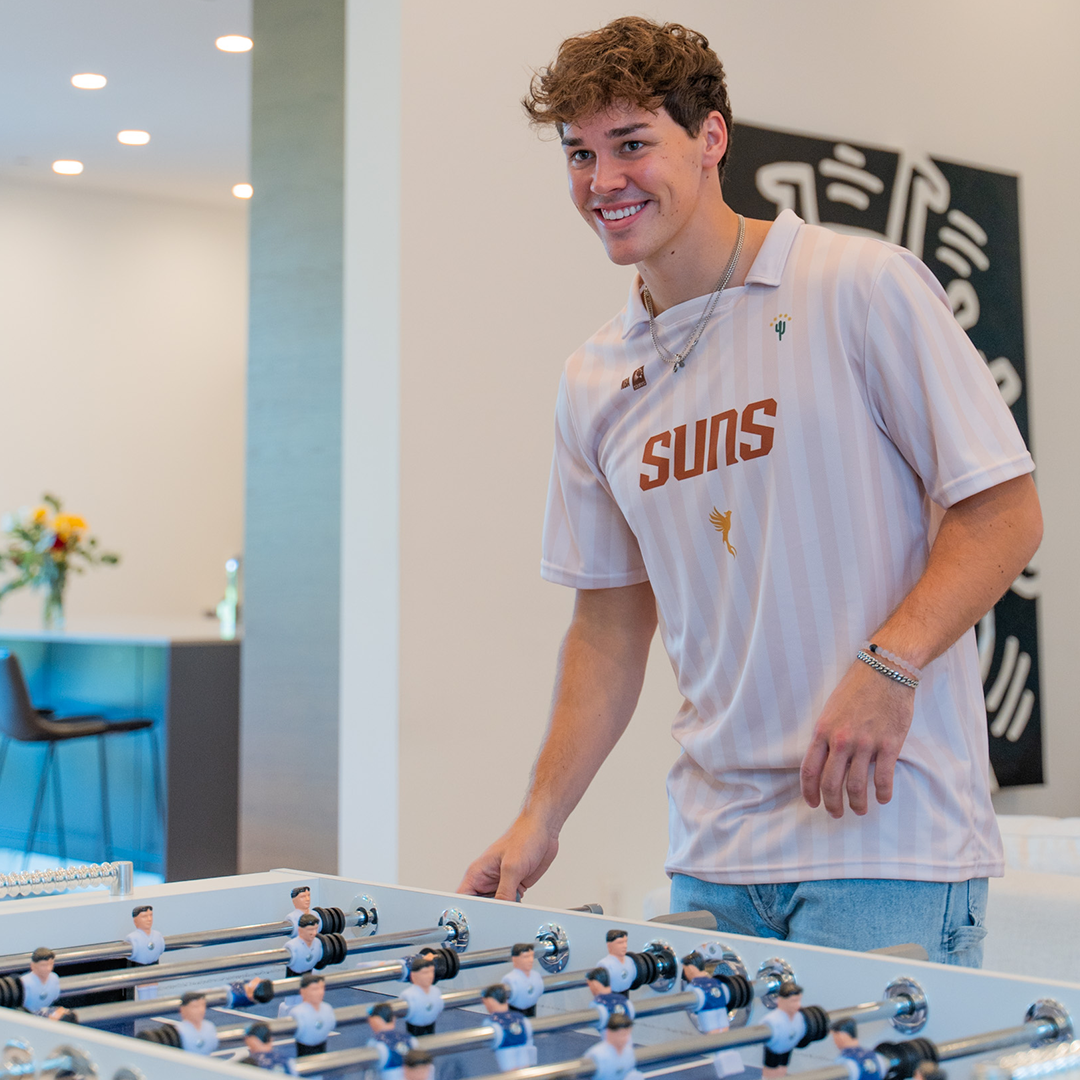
850,913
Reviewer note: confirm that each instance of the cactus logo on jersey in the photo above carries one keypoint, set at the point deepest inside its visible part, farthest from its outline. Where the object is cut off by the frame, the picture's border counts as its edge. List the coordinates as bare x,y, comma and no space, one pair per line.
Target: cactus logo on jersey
779,324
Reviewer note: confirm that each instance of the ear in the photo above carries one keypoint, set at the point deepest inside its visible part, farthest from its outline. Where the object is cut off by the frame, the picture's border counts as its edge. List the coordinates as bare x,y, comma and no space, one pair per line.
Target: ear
714,132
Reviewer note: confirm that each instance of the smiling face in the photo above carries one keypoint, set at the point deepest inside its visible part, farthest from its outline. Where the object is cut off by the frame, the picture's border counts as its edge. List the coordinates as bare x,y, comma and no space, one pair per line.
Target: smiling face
641,181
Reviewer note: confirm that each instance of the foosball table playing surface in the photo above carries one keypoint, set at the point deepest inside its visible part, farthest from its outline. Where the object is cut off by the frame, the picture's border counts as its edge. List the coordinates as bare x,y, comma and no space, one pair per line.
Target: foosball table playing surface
703,1004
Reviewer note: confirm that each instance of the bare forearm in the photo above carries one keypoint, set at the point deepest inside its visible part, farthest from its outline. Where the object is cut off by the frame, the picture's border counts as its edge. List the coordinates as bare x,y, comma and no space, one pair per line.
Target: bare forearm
983,544
601,669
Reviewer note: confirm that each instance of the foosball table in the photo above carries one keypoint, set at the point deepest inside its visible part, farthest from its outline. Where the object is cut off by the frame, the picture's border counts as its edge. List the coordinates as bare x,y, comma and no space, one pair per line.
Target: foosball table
309,955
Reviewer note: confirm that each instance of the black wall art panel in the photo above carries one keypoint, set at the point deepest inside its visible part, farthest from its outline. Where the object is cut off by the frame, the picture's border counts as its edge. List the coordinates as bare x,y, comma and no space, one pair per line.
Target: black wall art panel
963,222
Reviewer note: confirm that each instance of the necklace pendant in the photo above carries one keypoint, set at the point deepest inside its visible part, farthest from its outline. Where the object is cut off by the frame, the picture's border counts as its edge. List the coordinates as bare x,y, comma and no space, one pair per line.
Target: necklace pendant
678,363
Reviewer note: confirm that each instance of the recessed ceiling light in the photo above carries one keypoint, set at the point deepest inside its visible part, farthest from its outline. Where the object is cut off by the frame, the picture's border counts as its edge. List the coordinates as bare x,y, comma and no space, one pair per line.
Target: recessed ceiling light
88,81
233,43
243,191
134,138
67,168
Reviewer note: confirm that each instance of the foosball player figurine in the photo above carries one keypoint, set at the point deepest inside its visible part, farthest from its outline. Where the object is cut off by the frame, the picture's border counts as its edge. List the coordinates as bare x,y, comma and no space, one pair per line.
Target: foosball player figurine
418,1065
41,986
513,1042
620,967
861,1063
314,1017
523,984
390,1044
607,1003
930,1070
197,1034
301,902
305,949
422,996
147,944
262,1053
788,1026
244,994
711,1013
614,1053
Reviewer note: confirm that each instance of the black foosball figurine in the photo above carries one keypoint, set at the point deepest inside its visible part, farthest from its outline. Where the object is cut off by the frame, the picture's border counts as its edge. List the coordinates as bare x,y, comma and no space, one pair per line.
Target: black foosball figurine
712,1011
391,1044
262,1053
513,1042
607,1002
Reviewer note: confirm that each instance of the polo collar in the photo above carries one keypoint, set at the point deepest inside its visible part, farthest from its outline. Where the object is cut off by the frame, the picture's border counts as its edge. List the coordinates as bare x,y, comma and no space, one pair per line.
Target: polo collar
766,269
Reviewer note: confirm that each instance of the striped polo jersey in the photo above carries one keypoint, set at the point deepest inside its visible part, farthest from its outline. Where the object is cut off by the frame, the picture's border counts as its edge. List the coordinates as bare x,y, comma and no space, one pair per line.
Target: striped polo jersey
780,492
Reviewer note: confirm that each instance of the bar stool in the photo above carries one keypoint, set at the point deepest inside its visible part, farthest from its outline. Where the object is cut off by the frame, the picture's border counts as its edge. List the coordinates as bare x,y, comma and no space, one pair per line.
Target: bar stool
19,720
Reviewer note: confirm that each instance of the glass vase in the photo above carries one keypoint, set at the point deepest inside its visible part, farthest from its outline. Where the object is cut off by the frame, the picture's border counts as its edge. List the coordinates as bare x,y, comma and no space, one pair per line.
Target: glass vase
53,613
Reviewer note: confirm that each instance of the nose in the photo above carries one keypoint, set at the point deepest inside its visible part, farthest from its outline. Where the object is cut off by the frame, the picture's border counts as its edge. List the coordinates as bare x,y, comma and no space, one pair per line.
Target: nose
607,176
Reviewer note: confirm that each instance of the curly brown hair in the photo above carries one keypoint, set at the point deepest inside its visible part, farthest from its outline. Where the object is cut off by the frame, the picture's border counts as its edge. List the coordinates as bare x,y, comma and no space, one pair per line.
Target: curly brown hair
636,62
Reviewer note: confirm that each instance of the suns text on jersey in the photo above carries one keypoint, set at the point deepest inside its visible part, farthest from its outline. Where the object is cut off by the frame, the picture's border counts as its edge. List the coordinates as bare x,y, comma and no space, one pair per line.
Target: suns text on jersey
666,452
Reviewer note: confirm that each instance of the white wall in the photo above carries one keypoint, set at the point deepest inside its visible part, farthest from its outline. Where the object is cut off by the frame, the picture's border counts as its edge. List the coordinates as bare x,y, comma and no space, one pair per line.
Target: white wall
500,281
122,356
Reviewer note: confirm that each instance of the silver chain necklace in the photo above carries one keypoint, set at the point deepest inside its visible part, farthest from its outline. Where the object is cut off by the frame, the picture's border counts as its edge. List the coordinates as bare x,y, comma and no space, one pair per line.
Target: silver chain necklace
677,360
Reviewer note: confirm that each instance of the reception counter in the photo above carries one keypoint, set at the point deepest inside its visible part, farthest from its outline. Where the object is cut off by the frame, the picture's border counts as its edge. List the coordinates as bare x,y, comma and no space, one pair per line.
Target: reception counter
183,677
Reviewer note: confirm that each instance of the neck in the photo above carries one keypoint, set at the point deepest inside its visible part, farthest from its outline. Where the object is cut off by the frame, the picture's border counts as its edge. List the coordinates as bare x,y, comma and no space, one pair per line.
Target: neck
693,266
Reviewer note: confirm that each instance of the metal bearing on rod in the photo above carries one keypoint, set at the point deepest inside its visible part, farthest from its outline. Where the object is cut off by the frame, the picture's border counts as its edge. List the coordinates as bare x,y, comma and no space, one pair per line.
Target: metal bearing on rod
554,953
367,914
455,918
774,968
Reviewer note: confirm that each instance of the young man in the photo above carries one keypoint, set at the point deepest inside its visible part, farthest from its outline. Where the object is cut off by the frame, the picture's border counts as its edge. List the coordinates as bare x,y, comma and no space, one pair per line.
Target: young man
819,516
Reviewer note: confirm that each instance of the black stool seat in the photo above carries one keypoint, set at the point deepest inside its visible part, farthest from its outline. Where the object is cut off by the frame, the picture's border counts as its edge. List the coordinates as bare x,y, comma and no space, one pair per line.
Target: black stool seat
55,728
19,720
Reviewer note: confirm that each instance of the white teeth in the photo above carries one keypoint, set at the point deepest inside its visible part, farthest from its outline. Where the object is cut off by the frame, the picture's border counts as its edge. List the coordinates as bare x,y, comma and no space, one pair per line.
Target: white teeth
618,215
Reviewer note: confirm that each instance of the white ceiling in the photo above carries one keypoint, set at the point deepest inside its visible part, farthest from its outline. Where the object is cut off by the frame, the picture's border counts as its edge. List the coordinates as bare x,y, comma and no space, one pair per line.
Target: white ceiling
165,76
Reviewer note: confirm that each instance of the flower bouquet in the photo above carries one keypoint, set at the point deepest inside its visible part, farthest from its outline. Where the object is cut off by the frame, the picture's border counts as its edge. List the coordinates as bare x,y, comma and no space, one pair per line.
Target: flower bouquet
42,546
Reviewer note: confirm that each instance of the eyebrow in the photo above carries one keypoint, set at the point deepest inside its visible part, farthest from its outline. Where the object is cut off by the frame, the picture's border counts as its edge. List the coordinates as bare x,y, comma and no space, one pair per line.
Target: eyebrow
613,133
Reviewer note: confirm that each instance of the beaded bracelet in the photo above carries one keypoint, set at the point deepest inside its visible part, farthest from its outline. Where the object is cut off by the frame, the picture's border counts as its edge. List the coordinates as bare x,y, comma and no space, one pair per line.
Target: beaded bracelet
899,661
877,665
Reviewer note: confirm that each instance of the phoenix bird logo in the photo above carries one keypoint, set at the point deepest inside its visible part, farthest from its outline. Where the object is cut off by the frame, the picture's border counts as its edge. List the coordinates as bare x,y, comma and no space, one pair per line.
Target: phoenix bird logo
722,524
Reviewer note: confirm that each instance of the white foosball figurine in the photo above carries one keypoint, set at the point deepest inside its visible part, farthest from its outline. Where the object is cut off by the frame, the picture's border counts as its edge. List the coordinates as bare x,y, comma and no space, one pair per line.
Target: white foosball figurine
513,1042
711,1013
614,1054
314,1017
301,901
621,969
422,996
525,985
788,1026
41,985
197,1034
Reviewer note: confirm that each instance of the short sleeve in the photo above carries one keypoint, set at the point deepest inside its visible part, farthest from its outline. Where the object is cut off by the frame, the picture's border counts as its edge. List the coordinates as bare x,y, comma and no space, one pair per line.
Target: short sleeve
934,394
587,543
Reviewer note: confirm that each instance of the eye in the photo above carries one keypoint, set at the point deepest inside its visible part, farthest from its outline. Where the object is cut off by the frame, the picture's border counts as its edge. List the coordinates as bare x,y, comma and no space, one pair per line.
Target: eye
579,157
631,145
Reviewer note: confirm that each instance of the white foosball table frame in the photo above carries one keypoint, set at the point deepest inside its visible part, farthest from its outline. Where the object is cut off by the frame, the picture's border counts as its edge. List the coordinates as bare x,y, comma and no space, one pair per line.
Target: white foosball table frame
960,1001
